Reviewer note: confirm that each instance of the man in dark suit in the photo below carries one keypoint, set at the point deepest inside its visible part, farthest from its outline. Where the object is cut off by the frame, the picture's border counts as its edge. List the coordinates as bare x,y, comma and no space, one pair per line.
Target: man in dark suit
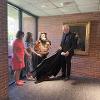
67,47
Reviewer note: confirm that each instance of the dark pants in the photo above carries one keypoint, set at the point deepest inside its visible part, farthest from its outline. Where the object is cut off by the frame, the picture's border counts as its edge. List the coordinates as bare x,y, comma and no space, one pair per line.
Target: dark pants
66,60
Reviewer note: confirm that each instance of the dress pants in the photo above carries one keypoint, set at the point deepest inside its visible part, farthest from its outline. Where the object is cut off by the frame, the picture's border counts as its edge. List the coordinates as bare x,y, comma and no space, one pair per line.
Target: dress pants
66,63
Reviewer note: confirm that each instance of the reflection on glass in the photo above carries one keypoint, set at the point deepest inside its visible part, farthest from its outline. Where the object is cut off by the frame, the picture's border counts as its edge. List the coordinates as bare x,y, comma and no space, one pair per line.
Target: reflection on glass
29,25
13,25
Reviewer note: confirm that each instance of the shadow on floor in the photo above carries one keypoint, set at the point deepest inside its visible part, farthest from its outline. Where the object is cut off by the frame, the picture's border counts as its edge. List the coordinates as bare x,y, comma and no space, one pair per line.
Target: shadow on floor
84,80
75,80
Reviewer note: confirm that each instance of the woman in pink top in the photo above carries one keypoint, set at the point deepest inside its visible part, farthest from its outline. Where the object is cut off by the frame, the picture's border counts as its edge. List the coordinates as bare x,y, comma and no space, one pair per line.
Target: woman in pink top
18,56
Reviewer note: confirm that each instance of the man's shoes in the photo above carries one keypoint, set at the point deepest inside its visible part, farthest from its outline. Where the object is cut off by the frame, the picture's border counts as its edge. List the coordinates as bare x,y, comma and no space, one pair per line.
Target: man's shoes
67,78
62,77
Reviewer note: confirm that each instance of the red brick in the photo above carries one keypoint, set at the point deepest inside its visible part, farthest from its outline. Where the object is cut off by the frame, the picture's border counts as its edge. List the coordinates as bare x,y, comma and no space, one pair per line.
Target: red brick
3,51
86,66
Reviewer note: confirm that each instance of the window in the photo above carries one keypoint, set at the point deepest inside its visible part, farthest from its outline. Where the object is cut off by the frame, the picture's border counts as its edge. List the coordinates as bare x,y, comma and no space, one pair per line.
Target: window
13,27
29,25
18,19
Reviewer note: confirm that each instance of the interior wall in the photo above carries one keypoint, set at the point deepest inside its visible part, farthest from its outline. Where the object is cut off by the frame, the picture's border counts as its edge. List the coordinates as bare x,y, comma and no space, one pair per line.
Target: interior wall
82,66
29,25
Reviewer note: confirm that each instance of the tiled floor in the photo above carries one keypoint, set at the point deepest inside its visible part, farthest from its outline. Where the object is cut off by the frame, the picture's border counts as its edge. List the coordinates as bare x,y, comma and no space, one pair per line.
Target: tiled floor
74,89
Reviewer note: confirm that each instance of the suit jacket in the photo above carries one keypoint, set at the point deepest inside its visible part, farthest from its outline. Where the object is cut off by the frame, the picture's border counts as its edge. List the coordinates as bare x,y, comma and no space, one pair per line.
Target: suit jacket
68,42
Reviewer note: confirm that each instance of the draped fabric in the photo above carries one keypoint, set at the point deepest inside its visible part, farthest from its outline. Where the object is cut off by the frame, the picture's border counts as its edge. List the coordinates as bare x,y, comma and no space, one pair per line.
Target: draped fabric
49,66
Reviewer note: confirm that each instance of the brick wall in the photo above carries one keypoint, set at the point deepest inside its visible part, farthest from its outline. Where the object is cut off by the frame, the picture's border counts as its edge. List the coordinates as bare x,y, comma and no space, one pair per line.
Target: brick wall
82,66
3,51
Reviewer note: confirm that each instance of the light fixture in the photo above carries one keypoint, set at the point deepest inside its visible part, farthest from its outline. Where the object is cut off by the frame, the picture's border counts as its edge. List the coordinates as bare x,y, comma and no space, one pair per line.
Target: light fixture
61,4
65,3
43,6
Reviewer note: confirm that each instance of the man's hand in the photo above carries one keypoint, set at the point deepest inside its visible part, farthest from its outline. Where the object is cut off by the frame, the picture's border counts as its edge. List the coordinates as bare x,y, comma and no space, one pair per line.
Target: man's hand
63,53
67,53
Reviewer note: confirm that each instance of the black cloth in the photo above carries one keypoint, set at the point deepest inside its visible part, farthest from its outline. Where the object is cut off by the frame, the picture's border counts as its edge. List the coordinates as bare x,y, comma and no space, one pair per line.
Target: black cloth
49,66
67,44
37,60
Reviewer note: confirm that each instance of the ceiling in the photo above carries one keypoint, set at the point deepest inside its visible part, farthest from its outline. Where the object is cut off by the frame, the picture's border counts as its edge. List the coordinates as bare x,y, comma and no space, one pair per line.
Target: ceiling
57,7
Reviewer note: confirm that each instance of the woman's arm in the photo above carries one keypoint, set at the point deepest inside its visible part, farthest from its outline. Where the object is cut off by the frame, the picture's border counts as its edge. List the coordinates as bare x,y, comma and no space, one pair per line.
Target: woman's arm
32,50
27,53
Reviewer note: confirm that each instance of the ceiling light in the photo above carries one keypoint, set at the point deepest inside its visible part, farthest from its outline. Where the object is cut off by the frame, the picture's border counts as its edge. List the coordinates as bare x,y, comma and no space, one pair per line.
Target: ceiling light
43,6
61,4
67,3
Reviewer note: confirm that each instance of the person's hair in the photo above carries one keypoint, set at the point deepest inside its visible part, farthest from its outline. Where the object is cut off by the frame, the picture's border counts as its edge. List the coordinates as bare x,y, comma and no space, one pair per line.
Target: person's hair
28,35
43,33
66,26
19,34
